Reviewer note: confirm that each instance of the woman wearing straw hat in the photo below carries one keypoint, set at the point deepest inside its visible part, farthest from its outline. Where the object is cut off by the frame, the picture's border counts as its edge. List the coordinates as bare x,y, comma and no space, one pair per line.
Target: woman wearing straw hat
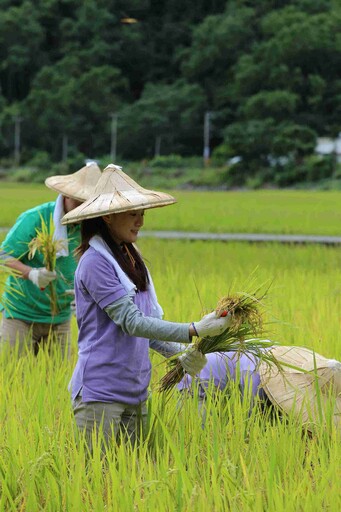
118,315
27,316
305,384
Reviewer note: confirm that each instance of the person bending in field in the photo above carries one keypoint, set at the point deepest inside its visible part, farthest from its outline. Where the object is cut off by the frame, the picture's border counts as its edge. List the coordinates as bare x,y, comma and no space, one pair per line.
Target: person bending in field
117,311
25,304
306,385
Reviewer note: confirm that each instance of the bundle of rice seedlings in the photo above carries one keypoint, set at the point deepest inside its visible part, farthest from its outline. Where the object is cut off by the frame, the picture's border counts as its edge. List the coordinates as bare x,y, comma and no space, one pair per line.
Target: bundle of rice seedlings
246,322
244,309
45,244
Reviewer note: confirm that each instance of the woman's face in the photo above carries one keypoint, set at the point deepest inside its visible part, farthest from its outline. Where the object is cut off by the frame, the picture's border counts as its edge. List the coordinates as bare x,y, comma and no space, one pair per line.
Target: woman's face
124,227
70,204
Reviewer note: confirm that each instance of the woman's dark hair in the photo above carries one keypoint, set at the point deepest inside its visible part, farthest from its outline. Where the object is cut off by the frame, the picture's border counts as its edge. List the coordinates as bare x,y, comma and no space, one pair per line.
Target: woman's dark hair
137,272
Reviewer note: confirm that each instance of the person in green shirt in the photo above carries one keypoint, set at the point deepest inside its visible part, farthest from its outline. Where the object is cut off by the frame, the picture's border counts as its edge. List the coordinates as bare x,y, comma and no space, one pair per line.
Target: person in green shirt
27,319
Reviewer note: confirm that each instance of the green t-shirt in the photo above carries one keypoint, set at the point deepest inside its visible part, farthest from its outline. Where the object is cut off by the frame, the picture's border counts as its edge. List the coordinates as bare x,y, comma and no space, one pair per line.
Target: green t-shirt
24,300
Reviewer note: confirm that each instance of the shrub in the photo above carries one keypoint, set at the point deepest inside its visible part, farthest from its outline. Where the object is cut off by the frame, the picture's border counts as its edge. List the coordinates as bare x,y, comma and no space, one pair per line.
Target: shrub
6,163
234,175
312,169
262,177
23,174
319,167
221,154
208,177
337,171
40,160
165,162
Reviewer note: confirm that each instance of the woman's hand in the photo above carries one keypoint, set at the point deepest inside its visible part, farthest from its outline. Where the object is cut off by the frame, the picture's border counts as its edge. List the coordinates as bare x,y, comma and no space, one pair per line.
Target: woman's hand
211,325
41,277
192,360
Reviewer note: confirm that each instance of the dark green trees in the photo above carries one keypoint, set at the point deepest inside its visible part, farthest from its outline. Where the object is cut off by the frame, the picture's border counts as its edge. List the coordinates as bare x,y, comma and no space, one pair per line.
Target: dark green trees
269,71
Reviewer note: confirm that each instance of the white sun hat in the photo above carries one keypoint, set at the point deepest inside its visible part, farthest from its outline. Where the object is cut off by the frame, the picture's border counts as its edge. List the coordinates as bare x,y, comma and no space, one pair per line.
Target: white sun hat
115,192
80,185
307,387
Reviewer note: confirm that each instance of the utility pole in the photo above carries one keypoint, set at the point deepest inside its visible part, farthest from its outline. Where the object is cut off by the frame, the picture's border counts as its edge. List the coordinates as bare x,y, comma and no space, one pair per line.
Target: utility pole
157,145
65,148
17,134
113,143
206,152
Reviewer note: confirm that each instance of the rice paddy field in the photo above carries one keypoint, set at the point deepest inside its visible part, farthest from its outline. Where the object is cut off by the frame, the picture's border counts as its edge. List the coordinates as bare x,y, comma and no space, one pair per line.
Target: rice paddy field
241,460
263,211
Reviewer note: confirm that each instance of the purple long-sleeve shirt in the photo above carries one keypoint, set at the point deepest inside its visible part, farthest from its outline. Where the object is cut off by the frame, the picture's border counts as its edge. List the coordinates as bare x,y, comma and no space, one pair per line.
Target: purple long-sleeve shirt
113,365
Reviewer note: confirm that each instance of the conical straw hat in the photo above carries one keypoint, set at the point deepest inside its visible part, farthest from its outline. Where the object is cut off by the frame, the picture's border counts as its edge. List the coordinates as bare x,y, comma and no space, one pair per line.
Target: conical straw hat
116,193
80,185
306,393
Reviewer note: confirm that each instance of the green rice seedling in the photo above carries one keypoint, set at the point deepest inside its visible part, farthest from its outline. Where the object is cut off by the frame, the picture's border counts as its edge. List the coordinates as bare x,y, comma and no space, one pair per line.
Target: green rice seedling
246,322
230,340
240,460
5,272
261,211
244,308
45,244
237,462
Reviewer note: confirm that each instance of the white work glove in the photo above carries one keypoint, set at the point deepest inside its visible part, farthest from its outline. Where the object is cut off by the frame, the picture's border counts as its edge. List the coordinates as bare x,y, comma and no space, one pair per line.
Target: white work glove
41,277
71,292
212,325
192,360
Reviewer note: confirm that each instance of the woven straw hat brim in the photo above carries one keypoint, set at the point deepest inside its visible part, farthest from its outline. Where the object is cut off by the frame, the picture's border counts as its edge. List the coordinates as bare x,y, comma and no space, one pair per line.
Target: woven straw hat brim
116,192
80,185
106,204
293,390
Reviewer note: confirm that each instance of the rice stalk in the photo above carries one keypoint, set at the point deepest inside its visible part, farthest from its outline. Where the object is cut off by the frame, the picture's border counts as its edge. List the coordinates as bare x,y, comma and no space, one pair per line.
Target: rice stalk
45,244
239,341
11,291
244,309
246,323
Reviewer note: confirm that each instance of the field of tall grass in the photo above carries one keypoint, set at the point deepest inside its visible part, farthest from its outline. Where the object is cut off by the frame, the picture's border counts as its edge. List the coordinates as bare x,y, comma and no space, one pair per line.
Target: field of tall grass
239,461
263,211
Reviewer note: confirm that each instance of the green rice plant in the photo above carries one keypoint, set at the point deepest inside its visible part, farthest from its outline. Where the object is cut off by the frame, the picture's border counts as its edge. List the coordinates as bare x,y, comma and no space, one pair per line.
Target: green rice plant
305,300
246,321
45,243
236,340
5,272
261,211
241,460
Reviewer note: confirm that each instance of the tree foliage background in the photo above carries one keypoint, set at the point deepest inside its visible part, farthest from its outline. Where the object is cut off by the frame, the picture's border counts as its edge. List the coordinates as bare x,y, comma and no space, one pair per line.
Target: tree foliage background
267,70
